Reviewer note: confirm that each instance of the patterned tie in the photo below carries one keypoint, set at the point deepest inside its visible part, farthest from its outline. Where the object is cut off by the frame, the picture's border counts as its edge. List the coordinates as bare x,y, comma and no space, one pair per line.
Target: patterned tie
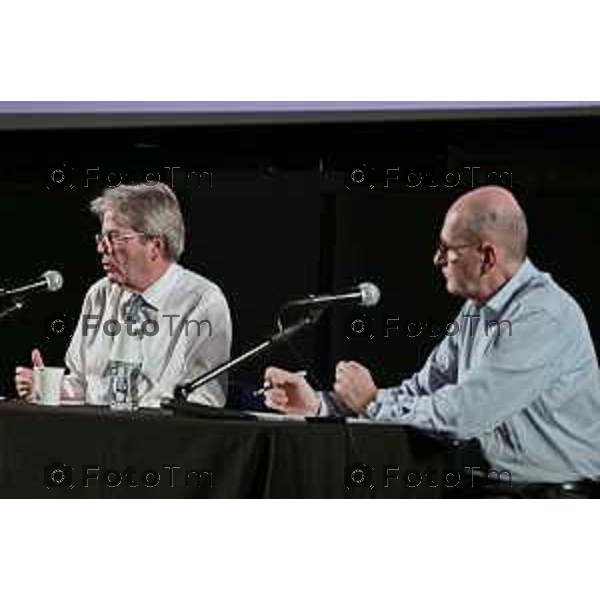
133,310
123,374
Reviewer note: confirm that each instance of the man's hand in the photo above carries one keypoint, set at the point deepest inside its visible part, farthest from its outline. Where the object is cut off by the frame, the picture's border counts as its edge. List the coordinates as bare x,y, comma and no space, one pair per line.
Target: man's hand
24,376
290,393
354,387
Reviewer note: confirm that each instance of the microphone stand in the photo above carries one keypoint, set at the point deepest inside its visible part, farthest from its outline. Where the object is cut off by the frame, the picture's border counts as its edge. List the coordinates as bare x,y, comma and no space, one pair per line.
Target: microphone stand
17,305
183,391
18,297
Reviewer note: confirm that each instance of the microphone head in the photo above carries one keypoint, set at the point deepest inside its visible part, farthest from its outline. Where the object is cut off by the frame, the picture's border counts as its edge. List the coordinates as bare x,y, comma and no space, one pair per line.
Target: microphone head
370,294
54,280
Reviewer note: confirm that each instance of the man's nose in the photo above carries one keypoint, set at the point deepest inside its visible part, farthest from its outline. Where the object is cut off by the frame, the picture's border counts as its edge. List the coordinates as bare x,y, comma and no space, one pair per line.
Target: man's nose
438,258
102,247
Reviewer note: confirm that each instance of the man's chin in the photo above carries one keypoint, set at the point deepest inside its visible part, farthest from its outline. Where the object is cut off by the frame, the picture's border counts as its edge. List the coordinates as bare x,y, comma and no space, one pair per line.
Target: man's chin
454,290
114,277
451,288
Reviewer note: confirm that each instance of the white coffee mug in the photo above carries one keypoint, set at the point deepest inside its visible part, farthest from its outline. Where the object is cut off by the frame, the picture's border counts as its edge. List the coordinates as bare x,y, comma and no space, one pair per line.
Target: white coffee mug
47,385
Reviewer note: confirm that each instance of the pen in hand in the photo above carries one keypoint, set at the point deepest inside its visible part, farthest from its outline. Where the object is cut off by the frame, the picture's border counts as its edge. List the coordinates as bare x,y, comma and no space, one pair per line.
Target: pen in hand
265,389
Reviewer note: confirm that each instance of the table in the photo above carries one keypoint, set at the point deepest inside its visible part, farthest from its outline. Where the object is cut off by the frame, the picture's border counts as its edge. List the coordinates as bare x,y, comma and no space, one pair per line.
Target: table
91,452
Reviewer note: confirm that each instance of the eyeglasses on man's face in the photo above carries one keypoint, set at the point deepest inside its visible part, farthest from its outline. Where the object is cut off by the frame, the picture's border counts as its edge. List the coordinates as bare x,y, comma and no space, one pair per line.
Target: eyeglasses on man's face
116,238
443,248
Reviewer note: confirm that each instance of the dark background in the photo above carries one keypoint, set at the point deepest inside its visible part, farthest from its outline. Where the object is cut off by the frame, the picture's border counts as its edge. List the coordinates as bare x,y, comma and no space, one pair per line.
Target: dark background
280,217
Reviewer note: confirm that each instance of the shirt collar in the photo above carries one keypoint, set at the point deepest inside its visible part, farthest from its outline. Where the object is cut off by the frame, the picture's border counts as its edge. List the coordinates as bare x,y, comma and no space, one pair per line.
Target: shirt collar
502,297
157,294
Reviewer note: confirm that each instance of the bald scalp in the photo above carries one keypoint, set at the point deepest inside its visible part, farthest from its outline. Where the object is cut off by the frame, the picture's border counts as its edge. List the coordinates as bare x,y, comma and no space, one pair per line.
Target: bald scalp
493,214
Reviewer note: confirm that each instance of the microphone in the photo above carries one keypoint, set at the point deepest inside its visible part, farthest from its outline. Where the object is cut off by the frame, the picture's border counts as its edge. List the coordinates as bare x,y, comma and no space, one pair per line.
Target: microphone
366,294
50,281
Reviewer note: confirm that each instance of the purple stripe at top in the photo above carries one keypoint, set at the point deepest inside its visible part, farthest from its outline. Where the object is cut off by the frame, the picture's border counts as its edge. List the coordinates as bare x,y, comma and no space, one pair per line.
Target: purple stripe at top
71,107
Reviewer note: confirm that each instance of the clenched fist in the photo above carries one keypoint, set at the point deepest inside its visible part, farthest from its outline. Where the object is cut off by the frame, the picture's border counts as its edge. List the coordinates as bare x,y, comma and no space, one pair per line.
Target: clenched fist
354,386
24,376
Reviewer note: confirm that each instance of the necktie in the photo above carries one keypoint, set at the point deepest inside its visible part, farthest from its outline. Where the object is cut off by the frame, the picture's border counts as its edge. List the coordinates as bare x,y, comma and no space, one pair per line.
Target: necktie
125,367
133,309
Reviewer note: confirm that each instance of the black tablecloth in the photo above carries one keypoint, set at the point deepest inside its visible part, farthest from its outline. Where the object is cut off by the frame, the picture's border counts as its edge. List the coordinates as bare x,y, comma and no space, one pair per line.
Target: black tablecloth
208,458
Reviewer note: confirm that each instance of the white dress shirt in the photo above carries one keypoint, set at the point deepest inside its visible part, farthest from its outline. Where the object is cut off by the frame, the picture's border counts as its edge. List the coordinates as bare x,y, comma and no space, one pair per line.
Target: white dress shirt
186,332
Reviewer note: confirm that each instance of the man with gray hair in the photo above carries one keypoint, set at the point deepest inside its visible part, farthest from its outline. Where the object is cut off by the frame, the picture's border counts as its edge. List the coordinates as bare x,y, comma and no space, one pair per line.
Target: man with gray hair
520,376
149,319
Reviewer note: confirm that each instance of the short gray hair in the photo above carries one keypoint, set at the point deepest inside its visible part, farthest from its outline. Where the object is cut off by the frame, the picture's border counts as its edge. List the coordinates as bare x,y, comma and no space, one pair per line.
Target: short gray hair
152,209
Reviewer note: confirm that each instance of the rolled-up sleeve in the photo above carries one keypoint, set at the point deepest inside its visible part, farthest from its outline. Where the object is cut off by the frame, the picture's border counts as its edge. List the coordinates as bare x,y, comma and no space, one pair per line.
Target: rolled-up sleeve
210,348
439,370
516,368
74,383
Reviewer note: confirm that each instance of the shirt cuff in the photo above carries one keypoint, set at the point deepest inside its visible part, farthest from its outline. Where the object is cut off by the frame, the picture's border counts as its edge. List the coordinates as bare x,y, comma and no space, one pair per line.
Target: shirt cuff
391,405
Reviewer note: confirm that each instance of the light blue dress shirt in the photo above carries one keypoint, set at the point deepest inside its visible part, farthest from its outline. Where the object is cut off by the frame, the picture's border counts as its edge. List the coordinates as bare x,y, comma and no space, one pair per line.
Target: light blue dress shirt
519,374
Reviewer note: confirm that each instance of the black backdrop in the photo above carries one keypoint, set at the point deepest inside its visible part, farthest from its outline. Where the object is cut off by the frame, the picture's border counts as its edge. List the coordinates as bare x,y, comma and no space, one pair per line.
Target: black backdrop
273,212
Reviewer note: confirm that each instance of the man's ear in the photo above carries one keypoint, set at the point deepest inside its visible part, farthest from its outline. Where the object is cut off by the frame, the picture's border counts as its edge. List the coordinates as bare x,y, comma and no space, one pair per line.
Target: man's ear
490,258
157,249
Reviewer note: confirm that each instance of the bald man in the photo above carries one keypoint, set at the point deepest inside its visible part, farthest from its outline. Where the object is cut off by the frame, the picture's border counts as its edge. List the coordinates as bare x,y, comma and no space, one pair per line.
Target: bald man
521,375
